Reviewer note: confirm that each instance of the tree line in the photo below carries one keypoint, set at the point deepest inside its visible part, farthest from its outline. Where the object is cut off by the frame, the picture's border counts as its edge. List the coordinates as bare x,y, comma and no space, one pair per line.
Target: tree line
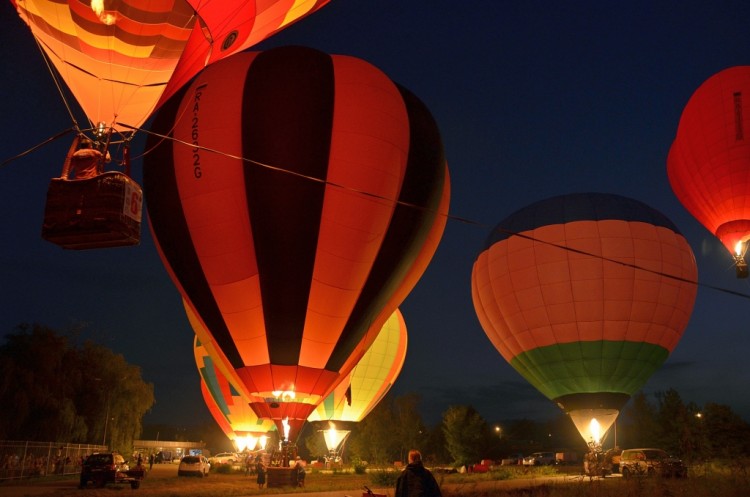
55,389
464,437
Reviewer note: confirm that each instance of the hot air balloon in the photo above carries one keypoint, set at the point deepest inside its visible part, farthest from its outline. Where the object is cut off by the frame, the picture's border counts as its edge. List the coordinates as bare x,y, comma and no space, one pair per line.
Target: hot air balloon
357,394
372,377
297,202
709,161
231,412
120,58
585,295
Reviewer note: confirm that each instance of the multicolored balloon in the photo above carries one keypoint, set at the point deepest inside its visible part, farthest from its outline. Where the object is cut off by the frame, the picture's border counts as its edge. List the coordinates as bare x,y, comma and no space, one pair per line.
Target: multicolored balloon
298,201
585,295
121,58
372,377
227,406
709,161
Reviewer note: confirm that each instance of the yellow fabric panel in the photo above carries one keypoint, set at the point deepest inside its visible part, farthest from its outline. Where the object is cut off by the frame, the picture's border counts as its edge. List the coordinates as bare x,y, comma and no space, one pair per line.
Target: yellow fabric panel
371,378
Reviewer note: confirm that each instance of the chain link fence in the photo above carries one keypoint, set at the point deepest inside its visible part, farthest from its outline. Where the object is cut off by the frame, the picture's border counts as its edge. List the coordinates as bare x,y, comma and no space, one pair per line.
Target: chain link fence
22,459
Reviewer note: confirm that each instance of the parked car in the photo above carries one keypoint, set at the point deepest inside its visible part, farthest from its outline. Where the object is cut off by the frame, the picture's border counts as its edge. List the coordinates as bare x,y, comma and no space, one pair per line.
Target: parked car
539,459
101,468
650,462
512,460
225,458
194,466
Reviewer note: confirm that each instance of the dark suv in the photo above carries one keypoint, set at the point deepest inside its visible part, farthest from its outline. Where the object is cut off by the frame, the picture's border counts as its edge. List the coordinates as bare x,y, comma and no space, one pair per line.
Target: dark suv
650,462
101,468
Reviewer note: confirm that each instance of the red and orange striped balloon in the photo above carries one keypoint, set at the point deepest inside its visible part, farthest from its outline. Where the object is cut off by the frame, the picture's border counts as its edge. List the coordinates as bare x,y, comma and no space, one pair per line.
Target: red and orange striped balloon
120,58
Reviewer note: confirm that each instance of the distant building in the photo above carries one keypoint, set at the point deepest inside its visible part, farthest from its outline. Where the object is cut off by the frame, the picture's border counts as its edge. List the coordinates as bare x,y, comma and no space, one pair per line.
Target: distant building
169,451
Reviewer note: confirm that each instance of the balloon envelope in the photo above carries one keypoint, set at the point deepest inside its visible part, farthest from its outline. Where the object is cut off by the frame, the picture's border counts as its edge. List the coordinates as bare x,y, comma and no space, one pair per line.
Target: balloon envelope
585,295
121,58
225,403
292,260
709,161
372,377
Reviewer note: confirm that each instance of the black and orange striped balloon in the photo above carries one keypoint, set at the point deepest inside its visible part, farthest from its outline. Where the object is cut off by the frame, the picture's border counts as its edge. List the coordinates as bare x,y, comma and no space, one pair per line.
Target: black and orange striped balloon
291,259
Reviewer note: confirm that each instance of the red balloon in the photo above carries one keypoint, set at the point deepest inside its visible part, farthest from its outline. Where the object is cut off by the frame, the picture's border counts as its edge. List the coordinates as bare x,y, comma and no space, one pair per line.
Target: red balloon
709,161
292,260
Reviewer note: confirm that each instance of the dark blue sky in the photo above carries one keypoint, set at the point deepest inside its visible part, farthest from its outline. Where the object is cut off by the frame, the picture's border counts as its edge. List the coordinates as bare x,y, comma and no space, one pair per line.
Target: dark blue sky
533,99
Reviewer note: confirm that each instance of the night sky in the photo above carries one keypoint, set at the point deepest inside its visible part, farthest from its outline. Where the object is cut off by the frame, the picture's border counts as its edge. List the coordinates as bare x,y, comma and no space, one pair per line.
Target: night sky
534,99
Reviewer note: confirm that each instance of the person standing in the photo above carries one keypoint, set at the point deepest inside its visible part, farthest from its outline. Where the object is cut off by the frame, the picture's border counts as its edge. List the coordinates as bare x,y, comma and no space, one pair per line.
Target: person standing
87,162
416,480
261,469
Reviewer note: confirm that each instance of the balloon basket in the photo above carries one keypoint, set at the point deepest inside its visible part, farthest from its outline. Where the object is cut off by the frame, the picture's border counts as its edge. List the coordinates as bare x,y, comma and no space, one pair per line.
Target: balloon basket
100,212
741,268
281,477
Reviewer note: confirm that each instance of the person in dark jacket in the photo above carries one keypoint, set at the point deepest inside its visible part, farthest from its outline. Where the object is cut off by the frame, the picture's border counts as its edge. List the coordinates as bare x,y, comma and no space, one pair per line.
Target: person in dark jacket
416,480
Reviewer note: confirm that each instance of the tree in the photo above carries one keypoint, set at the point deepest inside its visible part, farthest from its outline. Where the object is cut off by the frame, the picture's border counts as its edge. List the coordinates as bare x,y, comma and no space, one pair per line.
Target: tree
410,429
63,393
726,434
638,427
674,422
376,438
433,447
466,434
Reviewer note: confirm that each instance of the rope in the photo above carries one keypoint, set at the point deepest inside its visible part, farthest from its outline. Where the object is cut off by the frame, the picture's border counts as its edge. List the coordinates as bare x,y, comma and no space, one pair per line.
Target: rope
57,82
447,215
39,145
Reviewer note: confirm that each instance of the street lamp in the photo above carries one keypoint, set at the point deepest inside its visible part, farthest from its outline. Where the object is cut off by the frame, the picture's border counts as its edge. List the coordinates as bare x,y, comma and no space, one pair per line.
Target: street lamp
106,422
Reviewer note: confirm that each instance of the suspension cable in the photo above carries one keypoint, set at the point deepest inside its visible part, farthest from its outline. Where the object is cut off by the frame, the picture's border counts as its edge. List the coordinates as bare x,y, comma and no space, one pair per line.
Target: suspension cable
447,215
55,79
39,145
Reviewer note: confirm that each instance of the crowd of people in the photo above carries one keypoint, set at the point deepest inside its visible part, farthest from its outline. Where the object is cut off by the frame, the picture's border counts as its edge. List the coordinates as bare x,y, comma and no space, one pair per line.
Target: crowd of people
33,463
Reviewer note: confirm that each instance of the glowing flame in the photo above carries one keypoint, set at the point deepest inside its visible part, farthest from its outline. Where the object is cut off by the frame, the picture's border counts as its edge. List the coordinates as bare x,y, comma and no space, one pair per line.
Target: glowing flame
263,441
595,430
593,424
285,423
106,17
334,437
739,248
246,442
284,395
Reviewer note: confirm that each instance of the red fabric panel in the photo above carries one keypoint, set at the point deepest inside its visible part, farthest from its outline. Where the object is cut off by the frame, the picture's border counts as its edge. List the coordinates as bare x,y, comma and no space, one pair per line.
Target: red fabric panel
709,162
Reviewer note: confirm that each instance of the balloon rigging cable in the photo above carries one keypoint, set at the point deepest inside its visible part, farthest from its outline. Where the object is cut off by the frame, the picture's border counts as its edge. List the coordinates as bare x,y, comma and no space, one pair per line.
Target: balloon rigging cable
380,197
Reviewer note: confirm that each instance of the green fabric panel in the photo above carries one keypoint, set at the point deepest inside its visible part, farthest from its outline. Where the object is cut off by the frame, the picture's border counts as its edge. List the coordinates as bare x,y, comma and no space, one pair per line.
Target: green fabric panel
328,405
233,391
590,367
208,372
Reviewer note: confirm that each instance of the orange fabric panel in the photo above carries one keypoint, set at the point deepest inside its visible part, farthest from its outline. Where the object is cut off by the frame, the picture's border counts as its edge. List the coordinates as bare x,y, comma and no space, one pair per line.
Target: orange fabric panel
418,267
369,116
602,297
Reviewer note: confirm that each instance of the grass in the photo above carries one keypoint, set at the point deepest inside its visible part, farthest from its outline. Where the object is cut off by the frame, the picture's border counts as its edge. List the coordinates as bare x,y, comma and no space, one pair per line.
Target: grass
704,481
